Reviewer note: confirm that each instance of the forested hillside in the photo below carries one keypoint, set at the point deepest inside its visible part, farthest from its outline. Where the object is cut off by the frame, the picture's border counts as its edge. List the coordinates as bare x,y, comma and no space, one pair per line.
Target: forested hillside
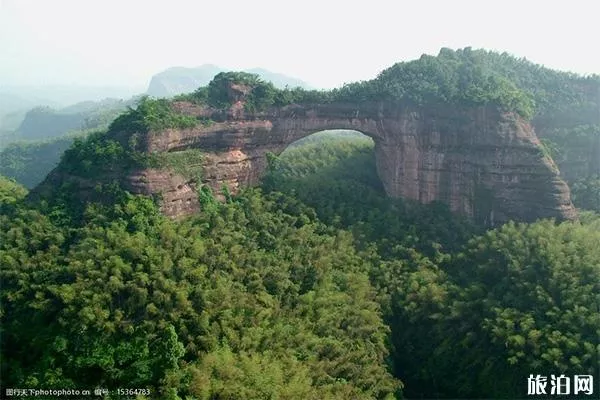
470,312
315,286
30,152
29,162
564,107
42,123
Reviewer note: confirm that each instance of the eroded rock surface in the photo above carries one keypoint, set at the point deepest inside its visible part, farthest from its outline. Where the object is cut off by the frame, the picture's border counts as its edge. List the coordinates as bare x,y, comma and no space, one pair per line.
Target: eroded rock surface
483,163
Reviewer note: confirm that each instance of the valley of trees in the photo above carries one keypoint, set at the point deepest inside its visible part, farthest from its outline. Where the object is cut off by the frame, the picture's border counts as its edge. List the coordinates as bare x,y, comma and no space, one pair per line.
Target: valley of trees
35,147
29,162
314,285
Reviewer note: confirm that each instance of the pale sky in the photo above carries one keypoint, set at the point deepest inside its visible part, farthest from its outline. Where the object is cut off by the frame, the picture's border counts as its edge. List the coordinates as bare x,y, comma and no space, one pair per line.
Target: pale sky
326,43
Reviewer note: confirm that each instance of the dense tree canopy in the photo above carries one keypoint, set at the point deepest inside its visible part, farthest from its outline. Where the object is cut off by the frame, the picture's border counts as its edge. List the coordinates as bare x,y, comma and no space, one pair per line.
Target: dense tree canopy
151,115
469,318
315,285
519,300
468,77
29,162
131,297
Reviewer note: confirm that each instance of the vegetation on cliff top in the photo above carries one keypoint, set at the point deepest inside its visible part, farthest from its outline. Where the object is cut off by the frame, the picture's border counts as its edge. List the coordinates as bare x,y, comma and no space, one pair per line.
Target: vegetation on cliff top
424,81
258,94
479,77
467,77
151,115
463,77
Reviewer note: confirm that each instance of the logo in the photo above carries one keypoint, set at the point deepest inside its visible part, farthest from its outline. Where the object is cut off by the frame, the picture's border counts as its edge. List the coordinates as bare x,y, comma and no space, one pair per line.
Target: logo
560,385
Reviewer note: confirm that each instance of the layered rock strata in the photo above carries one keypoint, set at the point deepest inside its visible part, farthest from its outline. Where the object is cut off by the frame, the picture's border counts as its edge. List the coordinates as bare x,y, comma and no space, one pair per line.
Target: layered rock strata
483,163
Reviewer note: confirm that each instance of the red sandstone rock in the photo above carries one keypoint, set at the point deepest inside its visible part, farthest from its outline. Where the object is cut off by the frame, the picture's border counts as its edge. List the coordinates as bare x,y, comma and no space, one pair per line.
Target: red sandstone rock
483,163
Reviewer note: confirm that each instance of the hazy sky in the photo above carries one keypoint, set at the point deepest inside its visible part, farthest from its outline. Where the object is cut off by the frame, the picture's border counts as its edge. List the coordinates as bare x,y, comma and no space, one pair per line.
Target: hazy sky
327,43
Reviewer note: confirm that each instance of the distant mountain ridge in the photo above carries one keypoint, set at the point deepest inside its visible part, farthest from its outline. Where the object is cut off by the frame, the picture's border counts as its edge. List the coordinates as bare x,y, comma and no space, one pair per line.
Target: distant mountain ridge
41,123
178,80
14,98
16,101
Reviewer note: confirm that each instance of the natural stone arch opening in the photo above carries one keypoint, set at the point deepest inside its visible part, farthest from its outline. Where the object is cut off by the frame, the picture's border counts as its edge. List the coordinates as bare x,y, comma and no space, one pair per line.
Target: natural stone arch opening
473,154
332,152
481,162
330,134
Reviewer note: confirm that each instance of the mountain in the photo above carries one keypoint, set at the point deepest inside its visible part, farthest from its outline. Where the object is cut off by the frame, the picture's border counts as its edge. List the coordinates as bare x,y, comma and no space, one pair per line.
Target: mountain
16,101
279,80
29,162
455,129
59,95
318,284
9,123
11,102
13,107
178,80
45,122
30,152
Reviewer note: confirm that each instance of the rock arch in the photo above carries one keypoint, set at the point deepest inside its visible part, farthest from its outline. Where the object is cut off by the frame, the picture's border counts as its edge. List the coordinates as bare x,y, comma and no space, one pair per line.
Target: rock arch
483,163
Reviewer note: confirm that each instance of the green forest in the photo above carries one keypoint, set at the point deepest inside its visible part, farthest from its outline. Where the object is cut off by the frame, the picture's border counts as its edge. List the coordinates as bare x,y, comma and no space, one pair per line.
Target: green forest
563,107
314,284
30,151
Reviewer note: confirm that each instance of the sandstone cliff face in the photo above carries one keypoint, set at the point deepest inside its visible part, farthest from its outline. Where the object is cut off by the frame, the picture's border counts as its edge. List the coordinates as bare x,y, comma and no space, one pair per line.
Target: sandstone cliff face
480,162
483,163
178,197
